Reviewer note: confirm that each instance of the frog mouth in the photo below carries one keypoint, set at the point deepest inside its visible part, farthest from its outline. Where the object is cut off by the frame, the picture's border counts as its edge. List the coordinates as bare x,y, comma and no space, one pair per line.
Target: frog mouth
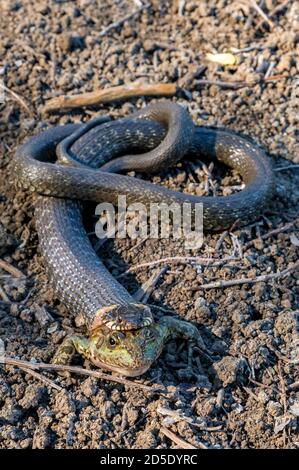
124,371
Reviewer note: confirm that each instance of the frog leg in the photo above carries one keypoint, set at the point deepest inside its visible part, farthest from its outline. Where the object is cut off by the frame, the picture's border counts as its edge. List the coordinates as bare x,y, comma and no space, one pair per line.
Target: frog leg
68,347
183,329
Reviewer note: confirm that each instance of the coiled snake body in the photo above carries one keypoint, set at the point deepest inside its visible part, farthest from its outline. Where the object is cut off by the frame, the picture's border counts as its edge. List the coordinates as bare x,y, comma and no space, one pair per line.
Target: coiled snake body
163,133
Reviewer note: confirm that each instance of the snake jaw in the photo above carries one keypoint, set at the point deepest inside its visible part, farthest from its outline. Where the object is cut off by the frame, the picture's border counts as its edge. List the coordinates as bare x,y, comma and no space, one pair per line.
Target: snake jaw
131,316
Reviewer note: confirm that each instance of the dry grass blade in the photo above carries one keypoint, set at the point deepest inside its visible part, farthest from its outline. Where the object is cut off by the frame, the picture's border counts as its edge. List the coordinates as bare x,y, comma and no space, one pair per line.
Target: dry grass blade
221,83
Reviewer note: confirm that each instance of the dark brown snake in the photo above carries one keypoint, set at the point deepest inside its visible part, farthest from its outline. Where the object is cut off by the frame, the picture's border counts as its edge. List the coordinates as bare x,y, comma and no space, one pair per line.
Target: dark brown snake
163,133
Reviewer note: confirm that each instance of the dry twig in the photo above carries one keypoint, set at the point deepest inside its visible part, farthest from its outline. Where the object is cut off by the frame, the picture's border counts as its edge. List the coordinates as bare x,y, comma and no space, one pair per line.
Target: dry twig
10,269
261,13
178,440
145,291
120,22
276,10
108,95
236,282
41,377
221,83
181,259
78,370
17,98
269,234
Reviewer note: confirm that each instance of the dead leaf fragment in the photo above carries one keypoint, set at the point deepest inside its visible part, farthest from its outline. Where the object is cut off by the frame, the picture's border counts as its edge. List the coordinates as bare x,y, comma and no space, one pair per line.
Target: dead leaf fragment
222,59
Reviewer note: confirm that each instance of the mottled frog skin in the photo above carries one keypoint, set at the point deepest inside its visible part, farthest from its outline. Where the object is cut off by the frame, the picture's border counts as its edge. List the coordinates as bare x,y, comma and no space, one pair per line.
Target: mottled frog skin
131,352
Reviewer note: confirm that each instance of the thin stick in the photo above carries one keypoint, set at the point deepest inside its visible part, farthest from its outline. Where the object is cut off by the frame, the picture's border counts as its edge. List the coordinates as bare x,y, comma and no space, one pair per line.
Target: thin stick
250,393
41,377
274,12
273,78
10,269
220,241
143,240
187,79
269,70
180,259
261,13
236,282
178,416
145,291
17,98
221,83
108,95
275,231
120,22
178,440
77,370
257,47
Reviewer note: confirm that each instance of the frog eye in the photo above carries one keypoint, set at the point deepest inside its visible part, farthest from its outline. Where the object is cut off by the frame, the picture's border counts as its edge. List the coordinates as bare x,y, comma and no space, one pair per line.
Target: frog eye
115,339
112,341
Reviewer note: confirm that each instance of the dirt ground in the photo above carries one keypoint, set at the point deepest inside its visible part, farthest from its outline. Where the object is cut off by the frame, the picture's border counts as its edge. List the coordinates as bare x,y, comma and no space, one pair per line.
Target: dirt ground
249,398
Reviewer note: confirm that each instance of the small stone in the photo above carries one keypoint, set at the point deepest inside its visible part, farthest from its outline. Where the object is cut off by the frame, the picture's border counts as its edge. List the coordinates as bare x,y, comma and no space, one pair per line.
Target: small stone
230,369
281,423
79,320
284,64
149,46
294,409
286,303
263,396
26,443
181,177
190,273
42,315
274,408
14,310
68,42
26,315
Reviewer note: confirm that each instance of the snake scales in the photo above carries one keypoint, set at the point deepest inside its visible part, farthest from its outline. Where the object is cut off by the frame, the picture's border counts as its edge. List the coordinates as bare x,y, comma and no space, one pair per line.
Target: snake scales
156,137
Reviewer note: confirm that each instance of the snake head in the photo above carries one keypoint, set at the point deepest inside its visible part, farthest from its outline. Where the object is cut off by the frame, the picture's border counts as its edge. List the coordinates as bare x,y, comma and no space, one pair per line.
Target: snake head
130,353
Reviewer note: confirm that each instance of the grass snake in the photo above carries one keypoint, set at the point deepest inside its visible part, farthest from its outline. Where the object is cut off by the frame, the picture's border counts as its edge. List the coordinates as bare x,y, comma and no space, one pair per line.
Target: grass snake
70,163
